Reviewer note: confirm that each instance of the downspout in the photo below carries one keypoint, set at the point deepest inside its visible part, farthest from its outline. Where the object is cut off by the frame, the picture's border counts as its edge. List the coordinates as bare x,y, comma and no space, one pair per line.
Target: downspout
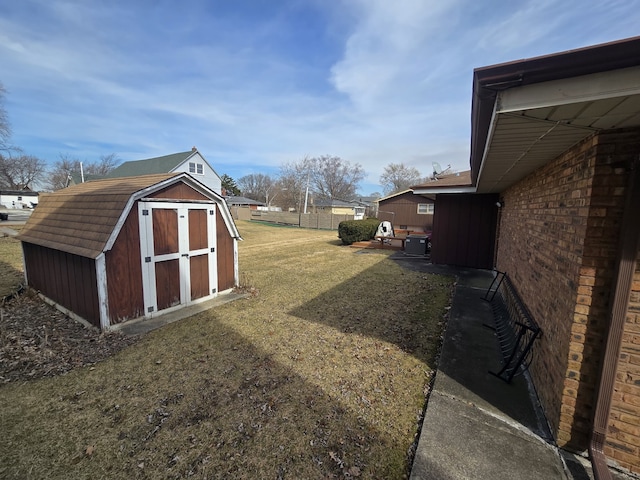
625,267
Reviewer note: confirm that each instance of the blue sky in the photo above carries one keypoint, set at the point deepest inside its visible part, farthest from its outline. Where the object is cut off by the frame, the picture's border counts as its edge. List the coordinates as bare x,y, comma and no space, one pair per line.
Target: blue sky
255,84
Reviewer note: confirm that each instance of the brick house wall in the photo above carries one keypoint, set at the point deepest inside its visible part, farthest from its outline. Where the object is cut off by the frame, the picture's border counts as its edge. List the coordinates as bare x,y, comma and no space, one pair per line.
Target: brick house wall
558,241
623,437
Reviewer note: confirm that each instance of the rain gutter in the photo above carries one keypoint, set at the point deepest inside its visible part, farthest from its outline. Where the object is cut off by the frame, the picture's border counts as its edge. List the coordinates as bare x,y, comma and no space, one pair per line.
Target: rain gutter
488,81
625,267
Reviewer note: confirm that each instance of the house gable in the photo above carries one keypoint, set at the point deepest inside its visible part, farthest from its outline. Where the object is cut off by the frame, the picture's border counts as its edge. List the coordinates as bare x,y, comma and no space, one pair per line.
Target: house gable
196,166
191,162
404,211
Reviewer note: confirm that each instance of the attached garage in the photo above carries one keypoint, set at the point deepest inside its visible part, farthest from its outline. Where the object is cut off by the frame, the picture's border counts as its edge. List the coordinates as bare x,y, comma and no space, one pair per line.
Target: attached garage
114,250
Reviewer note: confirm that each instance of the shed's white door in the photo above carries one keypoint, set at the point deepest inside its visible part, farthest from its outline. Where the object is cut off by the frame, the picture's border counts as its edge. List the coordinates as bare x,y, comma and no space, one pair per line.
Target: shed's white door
177,242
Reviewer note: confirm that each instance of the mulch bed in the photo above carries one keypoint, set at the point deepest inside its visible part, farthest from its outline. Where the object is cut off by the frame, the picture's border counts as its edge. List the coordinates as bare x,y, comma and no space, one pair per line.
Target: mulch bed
36,341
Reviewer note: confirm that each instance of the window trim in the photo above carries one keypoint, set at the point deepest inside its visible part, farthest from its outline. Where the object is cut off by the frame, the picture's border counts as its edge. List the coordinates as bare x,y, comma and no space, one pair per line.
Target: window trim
429,208
196,168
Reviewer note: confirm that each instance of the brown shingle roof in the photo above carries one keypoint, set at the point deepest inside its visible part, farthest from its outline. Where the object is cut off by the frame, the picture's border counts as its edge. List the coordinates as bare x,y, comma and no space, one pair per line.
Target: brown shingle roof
460,179
80,219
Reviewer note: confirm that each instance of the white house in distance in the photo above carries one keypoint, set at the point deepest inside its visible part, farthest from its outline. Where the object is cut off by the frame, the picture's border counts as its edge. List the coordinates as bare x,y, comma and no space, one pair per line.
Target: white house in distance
191,162
18,199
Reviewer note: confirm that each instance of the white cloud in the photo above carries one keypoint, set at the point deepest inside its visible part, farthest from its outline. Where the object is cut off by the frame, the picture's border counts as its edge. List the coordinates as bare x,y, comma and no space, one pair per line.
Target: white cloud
372,81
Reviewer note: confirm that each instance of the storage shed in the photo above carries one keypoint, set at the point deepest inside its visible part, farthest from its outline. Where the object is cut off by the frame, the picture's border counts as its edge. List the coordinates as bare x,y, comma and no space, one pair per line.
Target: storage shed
113,250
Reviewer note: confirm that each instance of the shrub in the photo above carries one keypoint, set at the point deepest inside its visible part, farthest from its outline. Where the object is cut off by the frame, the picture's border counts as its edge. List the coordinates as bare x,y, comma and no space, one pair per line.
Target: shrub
351,231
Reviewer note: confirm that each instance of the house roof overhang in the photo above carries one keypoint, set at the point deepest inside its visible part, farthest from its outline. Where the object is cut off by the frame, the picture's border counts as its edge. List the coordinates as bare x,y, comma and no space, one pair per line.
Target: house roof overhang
526,113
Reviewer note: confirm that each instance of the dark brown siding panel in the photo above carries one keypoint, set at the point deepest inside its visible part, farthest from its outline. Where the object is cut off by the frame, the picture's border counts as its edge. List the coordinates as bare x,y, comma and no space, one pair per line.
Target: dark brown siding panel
198,229
226,277
165,231
179,191
124,273
168,283
67,279
199,267
464,230
403,210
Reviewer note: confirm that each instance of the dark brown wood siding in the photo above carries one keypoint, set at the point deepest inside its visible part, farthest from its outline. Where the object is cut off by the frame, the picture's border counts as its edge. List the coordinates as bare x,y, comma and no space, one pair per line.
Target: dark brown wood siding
69,280
402,211
198,229
165,230
179,191
464,230
224,247
199,271
168,283
124,272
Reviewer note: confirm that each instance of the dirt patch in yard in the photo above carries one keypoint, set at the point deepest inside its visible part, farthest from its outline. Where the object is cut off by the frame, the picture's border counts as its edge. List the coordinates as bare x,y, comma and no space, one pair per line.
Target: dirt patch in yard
37,340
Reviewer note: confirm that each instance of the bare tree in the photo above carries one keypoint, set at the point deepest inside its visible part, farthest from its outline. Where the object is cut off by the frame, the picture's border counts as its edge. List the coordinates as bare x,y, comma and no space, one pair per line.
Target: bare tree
19,172
397,177
62,172
5,127
294,179
257,186
103,166
333,177
68,168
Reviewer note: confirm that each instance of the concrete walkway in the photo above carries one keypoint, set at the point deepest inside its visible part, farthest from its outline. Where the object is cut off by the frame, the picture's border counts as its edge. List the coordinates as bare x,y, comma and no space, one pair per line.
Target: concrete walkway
144,325
477,426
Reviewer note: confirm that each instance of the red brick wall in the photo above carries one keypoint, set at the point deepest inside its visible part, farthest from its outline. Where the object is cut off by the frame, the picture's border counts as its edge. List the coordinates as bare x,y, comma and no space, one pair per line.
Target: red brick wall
623,437
558,242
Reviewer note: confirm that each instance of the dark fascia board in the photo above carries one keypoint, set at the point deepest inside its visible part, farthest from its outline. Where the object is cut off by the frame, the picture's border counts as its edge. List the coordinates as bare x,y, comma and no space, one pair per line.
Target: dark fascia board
488,81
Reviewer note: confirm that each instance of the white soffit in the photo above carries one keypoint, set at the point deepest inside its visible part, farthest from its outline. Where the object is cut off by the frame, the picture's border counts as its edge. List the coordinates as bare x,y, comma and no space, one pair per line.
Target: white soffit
533,124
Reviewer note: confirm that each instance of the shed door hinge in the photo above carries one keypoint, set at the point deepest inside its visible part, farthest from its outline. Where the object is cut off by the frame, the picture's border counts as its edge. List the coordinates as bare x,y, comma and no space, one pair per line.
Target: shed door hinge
147,259
145,212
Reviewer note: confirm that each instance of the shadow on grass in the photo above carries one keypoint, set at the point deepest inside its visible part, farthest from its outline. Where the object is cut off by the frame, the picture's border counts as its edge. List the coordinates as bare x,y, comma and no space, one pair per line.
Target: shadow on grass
378,304
195,399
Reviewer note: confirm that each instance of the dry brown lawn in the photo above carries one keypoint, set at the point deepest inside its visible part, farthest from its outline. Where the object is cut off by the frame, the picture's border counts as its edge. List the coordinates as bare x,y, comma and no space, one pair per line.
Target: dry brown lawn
11,272
321,373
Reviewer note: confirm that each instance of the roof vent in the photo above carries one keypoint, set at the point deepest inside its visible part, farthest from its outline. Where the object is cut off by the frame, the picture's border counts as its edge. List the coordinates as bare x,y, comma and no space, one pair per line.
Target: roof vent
193,149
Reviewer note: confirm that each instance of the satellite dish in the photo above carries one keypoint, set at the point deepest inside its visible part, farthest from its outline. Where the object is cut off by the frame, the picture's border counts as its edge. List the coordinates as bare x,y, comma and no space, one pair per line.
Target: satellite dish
437,169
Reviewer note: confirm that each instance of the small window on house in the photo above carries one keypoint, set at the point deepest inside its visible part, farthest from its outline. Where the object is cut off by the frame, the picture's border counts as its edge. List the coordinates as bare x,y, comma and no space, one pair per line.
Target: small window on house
196,168
425,209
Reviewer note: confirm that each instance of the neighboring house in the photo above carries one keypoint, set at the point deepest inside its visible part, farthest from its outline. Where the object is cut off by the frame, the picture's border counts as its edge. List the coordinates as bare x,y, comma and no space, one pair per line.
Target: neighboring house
556,147
241,207
407,211
338,207
243,202
191,162
370,205
18,199
113,250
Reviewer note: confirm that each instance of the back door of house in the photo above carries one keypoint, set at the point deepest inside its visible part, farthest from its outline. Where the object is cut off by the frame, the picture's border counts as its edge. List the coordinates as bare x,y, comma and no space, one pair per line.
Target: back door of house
178,242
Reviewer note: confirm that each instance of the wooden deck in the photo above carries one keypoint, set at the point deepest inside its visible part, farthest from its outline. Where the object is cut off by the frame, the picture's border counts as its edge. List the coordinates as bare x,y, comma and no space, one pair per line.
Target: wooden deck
384,244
